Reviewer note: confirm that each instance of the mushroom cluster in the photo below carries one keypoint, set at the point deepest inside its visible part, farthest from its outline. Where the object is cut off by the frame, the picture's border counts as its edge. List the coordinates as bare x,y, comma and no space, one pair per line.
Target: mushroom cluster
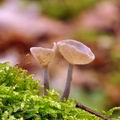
74,52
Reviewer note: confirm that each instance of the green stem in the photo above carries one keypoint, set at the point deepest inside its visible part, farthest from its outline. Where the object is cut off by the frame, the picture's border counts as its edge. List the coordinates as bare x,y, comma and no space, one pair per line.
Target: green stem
68,83
46,82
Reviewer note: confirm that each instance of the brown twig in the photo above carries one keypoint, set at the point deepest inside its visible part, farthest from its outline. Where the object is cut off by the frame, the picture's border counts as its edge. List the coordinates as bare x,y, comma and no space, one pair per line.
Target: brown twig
83,107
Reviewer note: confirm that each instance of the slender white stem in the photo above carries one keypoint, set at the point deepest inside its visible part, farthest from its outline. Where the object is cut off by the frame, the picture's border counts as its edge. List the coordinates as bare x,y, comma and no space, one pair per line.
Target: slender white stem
68,83
46,82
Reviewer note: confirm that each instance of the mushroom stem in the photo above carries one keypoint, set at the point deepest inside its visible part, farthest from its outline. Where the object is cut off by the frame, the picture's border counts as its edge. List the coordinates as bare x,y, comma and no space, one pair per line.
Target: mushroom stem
68,83
46,82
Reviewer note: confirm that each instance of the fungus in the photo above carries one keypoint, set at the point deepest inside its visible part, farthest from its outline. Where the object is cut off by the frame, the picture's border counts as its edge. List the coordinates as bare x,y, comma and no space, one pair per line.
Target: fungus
44,56
75,53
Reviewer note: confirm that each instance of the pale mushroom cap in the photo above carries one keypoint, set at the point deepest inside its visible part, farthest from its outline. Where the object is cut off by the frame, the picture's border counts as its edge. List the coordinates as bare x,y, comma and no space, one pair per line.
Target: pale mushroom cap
42,55
75,52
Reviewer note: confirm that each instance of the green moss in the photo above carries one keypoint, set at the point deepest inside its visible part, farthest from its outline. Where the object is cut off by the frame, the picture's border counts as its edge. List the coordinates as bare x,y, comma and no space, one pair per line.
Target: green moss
20,99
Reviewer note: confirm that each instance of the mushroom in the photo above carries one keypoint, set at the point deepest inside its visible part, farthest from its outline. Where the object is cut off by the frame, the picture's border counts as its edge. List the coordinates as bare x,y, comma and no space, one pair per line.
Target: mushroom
44,56
75,53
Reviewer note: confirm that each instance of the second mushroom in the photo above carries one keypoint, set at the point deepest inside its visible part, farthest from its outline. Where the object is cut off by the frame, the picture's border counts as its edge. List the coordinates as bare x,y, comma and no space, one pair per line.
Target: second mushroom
44,56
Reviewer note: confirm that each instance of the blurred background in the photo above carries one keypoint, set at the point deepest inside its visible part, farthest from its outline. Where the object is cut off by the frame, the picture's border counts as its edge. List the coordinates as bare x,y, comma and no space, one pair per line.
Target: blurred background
96,23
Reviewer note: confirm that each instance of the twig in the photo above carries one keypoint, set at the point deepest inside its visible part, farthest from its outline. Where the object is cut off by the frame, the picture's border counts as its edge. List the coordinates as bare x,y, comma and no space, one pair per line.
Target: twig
83,107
